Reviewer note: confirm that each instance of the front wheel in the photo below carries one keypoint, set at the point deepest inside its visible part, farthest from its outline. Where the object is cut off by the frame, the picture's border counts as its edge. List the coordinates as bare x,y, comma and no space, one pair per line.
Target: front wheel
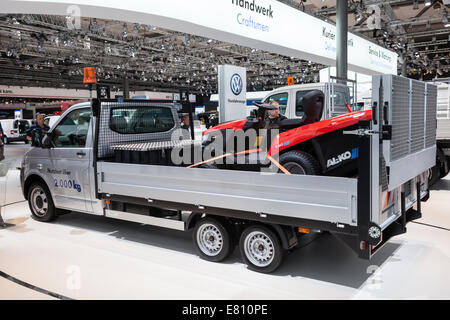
41,203
300,162
261,249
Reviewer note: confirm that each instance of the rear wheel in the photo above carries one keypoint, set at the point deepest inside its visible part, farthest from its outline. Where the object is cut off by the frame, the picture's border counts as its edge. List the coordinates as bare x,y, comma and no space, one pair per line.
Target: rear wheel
433,175
213,239
442,160
41,203
261,249
300,162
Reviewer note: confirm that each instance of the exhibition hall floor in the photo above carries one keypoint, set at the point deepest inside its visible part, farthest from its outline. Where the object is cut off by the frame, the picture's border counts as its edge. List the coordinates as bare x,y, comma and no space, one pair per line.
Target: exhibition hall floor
90,257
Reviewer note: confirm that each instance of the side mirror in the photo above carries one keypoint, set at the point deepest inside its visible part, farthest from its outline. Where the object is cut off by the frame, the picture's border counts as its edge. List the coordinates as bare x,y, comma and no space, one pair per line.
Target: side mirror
46,142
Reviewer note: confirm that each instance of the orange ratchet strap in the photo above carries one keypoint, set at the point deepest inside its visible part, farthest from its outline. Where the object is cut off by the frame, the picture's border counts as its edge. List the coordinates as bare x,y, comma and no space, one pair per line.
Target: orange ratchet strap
275,162
223,156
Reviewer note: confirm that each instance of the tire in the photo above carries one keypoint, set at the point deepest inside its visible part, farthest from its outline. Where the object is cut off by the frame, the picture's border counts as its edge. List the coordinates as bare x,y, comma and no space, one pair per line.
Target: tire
208,165
433,175
300,162
447,159
41,203
442,160
261,249
7,140
213,239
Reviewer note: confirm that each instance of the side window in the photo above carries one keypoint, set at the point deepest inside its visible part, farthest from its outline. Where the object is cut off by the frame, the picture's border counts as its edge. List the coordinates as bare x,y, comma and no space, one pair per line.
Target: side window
281,98
340,98
299,101
133,120
73,129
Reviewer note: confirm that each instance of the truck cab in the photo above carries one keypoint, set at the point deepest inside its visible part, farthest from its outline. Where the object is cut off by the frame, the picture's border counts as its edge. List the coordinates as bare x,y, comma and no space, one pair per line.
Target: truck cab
337,96
66,168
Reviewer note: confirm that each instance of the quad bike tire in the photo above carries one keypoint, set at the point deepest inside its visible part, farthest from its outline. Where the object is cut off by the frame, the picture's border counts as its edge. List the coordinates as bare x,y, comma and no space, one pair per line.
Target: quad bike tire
299,162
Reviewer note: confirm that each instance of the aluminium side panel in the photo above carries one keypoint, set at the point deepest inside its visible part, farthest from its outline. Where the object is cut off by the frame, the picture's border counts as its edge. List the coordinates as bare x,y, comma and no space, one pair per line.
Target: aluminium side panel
418,102
431,111
411,114
329,199
399,104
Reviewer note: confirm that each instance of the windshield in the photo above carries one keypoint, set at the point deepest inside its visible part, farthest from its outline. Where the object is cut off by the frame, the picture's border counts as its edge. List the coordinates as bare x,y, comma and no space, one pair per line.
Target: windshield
281,98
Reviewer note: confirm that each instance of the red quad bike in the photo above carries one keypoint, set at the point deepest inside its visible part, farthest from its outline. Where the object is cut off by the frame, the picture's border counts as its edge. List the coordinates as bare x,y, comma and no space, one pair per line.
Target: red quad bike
299,146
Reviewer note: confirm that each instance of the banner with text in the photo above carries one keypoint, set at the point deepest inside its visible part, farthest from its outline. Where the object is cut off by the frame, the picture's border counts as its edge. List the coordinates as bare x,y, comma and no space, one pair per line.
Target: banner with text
232,93
262,24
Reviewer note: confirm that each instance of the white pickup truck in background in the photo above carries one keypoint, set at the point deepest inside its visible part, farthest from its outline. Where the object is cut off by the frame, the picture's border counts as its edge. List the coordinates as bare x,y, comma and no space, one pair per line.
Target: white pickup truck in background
442,167
337,97
15,130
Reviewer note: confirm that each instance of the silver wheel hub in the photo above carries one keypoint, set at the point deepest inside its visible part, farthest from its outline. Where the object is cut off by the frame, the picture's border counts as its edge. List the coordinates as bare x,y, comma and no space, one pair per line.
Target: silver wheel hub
259,249
39,202
209,239
294,168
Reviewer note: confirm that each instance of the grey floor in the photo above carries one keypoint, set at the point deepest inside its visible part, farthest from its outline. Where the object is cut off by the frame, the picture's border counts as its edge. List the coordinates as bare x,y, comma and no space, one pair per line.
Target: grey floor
90,257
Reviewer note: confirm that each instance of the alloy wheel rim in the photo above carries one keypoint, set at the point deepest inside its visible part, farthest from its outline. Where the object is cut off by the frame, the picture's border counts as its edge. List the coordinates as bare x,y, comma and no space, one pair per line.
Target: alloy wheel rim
294,168
259,249
39,202
210,239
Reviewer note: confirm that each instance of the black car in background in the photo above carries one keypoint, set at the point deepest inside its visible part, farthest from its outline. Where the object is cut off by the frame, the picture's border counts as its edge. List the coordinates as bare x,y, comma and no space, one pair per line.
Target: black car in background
2,146
2,156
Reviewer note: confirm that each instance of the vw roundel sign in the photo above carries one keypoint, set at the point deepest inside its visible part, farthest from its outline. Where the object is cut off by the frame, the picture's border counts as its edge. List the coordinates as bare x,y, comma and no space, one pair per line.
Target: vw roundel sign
236,84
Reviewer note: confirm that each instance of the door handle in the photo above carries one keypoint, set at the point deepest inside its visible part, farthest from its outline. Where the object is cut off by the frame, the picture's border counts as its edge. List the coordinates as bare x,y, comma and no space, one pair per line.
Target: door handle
81,154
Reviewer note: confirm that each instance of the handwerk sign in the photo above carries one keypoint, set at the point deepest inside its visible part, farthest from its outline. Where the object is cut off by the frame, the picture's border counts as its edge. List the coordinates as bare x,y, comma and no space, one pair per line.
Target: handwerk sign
279,28
250,5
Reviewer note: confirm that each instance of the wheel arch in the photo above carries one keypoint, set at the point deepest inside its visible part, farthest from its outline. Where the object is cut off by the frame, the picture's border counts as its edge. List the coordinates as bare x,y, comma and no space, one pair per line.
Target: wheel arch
29,181
313,148
285,234
192,220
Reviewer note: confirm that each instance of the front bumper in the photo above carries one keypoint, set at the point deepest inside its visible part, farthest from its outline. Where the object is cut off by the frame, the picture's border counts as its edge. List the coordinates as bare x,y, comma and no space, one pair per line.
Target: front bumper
20,138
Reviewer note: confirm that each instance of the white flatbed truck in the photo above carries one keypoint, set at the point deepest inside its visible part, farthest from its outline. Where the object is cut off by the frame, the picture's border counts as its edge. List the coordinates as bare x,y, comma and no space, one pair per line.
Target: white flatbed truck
74,169
442,167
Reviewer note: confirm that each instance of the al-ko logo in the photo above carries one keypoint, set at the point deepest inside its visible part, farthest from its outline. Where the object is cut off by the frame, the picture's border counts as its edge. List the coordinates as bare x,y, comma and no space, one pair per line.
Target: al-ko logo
343,157
236,84
253,6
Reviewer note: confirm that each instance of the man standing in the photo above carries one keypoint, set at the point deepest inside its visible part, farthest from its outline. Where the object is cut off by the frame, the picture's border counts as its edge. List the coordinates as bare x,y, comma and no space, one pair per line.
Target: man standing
39,128
185,122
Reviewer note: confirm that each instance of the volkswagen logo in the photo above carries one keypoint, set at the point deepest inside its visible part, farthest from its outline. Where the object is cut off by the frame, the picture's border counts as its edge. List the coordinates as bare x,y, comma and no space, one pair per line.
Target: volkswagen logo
236,84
